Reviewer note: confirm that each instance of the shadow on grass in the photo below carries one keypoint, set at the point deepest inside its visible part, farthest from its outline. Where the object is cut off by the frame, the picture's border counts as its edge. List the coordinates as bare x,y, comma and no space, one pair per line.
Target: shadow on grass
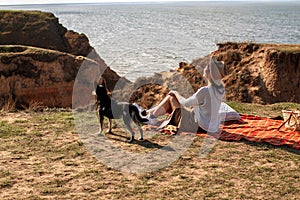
144,143
151,145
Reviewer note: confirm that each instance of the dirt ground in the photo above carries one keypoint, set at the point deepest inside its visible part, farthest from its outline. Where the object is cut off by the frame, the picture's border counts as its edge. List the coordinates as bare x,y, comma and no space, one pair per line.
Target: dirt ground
43,157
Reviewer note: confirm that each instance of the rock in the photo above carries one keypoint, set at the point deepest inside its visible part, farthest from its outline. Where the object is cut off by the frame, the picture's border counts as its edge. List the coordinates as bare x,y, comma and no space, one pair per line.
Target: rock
256,73
261,73
40,29
36,76
79,43
40,59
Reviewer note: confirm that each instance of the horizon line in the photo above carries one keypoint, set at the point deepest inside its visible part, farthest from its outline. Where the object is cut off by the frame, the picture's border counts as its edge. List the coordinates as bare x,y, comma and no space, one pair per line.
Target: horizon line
139,2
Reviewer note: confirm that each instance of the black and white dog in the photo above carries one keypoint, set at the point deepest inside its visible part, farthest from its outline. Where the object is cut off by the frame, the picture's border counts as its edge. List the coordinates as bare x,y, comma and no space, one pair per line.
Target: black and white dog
107,107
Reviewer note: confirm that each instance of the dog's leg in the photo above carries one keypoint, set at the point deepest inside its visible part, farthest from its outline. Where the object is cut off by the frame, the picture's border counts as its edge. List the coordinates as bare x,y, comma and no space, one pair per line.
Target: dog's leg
128,126
136,121
109,126
101,119
135,115
141,133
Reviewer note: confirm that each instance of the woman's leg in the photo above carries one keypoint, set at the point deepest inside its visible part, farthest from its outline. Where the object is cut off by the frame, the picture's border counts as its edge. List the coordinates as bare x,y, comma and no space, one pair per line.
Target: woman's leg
167,105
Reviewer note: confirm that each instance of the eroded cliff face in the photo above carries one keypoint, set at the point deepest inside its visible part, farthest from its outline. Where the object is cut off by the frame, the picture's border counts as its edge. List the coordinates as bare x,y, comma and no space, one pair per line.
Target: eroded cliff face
256,73
261,73
35,76
40,60
44,71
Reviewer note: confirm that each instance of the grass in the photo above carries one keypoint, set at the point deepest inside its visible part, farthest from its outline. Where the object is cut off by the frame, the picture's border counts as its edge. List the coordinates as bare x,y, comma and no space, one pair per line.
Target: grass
42,156
271,110
39,14
11,49
289,48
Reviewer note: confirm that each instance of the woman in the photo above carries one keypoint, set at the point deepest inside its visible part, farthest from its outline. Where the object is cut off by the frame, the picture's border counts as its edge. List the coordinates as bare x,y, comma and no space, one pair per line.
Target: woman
200,112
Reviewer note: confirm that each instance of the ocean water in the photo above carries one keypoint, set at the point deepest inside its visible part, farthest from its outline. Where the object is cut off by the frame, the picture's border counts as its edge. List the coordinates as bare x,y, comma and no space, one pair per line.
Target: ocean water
141,39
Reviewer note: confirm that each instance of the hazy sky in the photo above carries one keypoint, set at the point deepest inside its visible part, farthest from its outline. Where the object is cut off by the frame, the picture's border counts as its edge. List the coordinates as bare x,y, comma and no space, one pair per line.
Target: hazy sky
10,2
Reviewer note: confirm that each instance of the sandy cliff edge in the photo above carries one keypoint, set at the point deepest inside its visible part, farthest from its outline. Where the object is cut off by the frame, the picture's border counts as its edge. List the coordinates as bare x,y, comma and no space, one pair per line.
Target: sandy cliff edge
40,59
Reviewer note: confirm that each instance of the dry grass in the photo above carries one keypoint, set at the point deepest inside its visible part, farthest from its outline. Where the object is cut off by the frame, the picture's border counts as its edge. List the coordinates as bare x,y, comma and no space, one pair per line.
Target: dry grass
42,157
10,105
271,110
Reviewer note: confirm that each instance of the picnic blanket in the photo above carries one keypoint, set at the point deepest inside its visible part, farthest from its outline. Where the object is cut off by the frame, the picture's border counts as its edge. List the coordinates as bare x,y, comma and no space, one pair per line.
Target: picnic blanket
255,129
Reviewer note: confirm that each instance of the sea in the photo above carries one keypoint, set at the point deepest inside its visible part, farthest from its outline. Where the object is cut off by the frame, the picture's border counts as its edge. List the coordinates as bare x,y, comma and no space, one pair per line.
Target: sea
140,39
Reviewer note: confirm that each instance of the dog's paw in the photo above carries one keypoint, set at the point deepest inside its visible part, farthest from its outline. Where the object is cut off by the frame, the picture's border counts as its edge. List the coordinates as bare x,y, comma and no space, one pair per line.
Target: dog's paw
99,133
108,132
141,138
130,139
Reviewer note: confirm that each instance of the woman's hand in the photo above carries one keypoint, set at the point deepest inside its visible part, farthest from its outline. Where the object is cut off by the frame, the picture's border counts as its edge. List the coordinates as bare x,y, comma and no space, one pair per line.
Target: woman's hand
172,93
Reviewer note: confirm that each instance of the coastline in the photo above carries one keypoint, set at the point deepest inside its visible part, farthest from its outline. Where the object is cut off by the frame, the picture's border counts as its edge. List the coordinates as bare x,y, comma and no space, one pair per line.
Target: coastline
257,73
43,156
183,32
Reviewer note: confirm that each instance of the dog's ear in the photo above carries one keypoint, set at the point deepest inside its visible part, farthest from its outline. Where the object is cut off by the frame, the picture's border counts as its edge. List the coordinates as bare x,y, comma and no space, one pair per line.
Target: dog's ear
104,82
105,85
100,81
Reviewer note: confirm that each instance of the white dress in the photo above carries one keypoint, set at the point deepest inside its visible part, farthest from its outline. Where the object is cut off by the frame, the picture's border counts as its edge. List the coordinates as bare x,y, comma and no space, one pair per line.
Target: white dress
206,104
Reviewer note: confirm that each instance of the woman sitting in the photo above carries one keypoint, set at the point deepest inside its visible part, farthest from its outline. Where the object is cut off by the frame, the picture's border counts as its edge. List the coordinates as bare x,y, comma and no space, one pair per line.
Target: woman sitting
200,112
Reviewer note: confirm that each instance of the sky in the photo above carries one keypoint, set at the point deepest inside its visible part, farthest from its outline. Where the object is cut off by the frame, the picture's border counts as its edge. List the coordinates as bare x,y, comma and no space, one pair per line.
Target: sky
13,2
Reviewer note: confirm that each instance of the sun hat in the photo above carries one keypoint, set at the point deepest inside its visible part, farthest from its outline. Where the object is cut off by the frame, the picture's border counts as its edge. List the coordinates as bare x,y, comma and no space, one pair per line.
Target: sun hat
217,70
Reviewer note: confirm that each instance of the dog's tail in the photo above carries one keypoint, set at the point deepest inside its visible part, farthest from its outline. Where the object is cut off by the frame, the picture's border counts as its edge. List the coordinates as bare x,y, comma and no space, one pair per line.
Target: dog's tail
140,116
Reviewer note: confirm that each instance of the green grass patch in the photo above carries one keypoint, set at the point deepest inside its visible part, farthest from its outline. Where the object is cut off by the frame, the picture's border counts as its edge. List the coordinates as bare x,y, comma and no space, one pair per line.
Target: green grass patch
10,130
5,184
271,110
38,14
289,48
11,49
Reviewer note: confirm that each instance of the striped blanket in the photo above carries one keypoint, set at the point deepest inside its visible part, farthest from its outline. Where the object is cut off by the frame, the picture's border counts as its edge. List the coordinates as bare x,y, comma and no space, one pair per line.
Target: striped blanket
256,129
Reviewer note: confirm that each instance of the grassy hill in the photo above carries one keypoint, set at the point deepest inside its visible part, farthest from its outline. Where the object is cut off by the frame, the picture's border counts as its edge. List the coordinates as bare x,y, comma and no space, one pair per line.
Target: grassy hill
42,156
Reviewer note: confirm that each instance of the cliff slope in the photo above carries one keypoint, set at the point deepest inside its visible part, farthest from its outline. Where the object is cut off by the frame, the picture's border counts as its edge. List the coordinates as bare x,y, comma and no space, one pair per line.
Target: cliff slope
35,76
256,73
261,73
44,70
40,59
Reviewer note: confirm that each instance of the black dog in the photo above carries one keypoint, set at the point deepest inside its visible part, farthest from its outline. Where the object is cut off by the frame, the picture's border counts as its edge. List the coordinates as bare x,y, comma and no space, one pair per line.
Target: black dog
107,107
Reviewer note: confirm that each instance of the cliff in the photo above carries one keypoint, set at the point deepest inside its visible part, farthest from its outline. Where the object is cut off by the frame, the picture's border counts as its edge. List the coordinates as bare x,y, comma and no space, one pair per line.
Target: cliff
256,73
40,29
261,73
35,76
40,59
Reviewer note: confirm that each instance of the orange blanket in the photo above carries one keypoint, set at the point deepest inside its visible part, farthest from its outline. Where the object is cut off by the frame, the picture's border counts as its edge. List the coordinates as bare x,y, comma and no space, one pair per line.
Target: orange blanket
257,129
260,129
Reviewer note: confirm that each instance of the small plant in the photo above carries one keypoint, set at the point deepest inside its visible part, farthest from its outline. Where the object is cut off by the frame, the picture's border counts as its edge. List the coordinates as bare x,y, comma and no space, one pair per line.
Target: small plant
35,106
5,184
9,106
11,48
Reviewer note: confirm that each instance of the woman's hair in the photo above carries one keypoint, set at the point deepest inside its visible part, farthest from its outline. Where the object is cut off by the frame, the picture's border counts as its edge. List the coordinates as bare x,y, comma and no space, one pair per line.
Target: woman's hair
217,72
